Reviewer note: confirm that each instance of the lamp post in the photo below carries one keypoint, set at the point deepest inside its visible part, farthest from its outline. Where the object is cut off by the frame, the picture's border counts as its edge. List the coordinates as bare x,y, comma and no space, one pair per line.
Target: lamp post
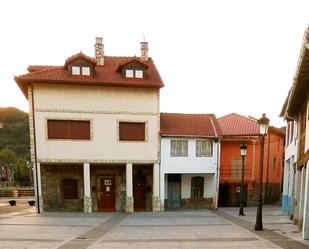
243,153
263,128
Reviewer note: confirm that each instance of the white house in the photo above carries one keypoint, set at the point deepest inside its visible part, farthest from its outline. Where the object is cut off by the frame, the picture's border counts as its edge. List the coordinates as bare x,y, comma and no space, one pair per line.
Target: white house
190,153
94,130
296,111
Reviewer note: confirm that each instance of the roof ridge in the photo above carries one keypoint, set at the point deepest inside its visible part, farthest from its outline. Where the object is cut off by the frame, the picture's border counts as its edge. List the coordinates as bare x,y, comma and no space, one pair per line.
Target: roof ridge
239,115
40,71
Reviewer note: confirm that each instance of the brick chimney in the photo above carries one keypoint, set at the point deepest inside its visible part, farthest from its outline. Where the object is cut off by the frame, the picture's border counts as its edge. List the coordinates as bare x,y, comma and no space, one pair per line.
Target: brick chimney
99,51
144,51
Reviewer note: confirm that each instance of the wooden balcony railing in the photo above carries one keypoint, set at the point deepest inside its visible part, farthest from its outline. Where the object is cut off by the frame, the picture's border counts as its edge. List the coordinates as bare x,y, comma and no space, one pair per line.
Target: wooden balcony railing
227,171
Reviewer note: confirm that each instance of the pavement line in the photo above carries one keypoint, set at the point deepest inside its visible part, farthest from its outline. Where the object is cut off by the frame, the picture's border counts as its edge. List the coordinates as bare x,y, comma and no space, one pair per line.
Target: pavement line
86,239
179,225
268,235
179,240
43,225
32,240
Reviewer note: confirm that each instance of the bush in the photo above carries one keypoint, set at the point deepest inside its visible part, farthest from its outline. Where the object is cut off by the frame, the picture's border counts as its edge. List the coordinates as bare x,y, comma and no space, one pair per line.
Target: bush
8,192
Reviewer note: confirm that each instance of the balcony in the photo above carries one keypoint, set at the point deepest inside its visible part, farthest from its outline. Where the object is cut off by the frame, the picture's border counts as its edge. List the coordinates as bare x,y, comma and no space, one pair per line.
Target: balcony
234,172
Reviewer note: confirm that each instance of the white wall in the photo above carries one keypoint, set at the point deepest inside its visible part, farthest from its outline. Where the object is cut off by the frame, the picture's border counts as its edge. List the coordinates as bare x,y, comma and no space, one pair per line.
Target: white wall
307,128
190,164
104,107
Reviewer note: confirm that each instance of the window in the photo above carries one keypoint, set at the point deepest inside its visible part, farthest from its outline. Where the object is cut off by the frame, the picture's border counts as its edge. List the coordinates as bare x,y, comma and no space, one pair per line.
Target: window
131,131
236,167
70,189
75,70
203,148
138,74
179,148
134,73
129,73
86,71
68,129
197,187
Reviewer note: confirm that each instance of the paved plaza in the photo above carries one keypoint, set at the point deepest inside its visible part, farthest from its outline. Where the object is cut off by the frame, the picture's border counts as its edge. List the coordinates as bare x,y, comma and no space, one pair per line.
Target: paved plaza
183,229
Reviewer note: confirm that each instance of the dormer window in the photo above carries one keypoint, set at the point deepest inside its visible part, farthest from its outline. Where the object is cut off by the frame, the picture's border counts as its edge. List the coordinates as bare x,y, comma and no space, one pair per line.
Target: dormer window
75,70
138,74
86,71
129,73
134,73
81,70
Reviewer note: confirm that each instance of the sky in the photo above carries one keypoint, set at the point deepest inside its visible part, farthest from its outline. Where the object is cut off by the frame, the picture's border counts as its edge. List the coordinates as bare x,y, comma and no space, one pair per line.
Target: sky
217,56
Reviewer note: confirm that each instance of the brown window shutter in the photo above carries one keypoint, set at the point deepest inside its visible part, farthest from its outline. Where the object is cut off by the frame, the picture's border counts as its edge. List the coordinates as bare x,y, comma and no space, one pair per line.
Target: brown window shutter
58,129
68,129
131,131
79,129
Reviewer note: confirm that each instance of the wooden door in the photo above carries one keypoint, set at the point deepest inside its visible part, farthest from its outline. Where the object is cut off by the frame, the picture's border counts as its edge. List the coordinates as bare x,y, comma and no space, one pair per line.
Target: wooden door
139,192
107,194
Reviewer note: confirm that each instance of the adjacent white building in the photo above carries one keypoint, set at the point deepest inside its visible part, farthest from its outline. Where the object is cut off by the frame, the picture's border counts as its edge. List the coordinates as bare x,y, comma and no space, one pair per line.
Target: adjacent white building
296,176
190,153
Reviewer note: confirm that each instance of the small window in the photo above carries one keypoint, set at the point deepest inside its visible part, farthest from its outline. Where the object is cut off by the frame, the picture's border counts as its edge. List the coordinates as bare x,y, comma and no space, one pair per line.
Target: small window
68,129
203,148
138,74
197,187
129,73
70,189
131,131
179,148
75,70
86,71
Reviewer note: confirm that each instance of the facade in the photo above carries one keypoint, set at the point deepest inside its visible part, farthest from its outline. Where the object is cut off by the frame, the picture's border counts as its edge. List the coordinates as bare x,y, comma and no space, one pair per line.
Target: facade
94,131
237,129
296,112
190,149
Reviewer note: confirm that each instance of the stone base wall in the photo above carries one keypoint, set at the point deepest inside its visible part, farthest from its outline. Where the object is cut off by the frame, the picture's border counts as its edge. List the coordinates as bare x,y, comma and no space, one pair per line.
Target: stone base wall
274,193
156,204
197,203
52,177
129,204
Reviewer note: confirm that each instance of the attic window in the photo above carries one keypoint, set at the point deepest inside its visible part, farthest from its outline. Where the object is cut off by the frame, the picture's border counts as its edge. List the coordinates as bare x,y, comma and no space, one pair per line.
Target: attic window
138,74
75,70
129,73
86,71
134,73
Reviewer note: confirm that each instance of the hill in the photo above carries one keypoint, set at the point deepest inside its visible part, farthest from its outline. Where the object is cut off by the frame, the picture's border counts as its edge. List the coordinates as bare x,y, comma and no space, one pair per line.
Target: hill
14,131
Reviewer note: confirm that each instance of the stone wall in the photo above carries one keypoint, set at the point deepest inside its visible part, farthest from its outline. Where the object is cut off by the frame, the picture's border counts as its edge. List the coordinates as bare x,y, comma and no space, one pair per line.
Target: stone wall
197,203
52,177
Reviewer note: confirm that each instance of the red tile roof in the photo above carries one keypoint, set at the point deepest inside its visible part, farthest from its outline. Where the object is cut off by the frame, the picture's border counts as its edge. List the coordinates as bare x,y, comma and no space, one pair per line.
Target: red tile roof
235,124
106,75
200,125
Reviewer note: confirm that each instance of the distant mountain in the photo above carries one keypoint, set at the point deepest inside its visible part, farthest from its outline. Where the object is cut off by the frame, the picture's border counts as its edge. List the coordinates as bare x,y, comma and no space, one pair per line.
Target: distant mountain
14,131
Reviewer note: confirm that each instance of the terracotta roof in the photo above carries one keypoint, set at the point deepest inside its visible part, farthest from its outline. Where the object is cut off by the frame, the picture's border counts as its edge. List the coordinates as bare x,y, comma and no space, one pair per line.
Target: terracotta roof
106,75
235,124
200,125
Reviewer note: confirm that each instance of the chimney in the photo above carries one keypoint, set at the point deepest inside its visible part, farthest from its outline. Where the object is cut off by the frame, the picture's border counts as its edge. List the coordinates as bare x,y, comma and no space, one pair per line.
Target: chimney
144,51
99,51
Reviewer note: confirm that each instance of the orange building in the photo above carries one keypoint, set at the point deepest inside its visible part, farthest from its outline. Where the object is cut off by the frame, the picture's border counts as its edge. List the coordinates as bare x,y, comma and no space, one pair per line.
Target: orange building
237,129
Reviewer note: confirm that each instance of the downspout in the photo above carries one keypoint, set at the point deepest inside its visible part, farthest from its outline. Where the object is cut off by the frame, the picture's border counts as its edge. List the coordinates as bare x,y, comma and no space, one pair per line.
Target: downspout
218,173
35,153
267,172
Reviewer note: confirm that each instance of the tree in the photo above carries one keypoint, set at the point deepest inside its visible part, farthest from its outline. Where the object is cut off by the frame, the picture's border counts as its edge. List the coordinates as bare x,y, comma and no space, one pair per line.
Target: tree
7,157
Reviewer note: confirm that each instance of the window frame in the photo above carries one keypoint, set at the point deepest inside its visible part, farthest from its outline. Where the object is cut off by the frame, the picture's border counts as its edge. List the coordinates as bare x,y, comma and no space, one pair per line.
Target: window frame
85,68
68,192
199,153
127,71
76,68
184,148
195,184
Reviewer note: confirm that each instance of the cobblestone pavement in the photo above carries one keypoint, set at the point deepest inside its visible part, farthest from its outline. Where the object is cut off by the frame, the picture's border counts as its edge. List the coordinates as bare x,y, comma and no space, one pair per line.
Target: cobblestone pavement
183,229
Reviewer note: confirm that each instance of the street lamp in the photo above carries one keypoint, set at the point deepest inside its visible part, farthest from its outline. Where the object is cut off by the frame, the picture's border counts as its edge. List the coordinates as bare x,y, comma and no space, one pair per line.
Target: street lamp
263,128
243,153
